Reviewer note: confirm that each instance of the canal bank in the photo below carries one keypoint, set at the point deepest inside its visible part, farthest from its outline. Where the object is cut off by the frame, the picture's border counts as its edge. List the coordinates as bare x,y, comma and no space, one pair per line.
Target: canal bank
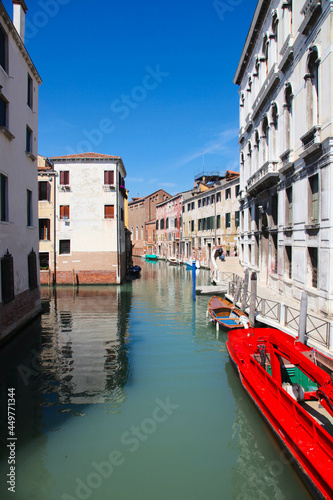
127,393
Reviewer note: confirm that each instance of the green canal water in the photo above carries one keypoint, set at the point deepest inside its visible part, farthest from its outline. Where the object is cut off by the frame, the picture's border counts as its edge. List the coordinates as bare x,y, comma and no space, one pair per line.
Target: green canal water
127,393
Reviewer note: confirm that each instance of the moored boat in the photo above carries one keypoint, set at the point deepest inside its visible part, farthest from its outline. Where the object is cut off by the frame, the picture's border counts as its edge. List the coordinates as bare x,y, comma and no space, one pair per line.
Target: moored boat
173,261
226,315
151,257
293,394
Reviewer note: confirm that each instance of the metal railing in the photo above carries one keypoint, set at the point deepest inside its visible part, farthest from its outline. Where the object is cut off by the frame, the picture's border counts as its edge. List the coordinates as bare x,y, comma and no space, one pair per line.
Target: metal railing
317,329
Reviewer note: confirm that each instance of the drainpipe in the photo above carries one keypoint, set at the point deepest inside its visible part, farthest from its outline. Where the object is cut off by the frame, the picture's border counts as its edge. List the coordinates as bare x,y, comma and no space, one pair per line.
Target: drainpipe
117,221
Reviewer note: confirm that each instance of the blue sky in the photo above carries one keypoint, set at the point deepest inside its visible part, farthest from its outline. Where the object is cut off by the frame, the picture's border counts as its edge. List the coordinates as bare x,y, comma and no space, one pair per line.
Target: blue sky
149,81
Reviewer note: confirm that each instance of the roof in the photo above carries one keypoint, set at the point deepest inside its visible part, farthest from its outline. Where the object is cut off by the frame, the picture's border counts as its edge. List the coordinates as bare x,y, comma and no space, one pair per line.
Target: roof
85,155
251,39
137,200
19,43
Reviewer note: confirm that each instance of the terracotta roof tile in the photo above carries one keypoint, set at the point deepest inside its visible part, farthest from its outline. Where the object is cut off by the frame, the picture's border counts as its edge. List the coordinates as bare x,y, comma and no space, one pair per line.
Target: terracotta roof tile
84,155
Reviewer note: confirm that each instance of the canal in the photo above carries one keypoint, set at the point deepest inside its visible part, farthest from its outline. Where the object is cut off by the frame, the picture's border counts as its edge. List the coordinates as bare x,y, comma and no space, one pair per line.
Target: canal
127,393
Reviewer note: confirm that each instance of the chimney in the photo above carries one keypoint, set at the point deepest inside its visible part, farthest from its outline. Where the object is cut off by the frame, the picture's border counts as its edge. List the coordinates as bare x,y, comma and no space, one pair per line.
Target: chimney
19,12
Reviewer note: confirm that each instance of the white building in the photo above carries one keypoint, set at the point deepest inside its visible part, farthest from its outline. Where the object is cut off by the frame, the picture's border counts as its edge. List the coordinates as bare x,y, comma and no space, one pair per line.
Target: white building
19,81
90,230
286,148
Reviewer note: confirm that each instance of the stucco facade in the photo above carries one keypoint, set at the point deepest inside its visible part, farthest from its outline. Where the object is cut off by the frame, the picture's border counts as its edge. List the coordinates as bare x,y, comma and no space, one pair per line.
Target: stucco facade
211,219
19,82
286,129
90,228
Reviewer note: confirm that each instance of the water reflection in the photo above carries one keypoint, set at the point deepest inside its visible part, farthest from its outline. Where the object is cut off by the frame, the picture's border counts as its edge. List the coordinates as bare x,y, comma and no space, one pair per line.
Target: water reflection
262,470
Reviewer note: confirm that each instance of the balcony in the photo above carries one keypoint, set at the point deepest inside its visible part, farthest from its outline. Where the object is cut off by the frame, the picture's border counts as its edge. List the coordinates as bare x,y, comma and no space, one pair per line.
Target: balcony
108,187
265,177
311,10
287,159
311,141
268,85
287,52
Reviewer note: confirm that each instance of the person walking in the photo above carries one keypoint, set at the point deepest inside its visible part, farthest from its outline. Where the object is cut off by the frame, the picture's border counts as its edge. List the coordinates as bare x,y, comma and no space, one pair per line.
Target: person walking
228,249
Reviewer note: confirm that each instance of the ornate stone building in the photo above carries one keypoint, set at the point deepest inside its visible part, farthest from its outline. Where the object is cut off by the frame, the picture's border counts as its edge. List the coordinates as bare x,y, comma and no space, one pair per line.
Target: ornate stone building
285,137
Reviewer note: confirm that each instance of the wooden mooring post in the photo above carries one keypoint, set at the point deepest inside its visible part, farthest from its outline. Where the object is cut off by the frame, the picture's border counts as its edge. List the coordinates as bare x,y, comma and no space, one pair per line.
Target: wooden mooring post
238,291
302,318
246,286
253,298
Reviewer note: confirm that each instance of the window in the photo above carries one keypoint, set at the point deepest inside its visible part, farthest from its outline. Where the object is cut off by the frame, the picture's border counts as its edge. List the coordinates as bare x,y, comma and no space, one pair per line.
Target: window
312,86
275,210
218,196
313,261
213,199
237,218
28,144
167,223
3,198
228,194
64,247
44,260
44,229
218,222
108,177
175,223
228,220
32,270
289,206
7,278
29,208
237,190
64,212
3,112
256,249
189,207
162,224
314,199
43,190
199,203
64,177
3,48
288,96
274,253
108,211
156,225
29,91
192,205
192,226
288,261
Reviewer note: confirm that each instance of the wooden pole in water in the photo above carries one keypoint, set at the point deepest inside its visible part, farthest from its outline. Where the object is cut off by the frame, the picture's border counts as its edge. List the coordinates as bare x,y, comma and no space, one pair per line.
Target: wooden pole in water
246,286
237,292
302,318
253,298
193,279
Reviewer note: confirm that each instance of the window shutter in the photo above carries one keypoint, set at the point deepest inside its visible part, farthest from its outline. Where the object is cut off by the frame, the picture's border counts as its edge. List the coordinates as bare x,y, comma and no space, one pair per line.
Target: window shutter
62,177
109,177
109,211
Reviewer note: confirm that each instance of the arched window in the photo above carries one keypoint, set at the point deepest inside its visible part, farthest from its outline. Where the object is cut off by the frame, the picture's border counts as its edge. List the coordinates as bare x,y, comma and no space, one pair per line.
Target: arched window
274,36
257,149
288,97
312,88
265,139
274,130
249,155
265,46
242,180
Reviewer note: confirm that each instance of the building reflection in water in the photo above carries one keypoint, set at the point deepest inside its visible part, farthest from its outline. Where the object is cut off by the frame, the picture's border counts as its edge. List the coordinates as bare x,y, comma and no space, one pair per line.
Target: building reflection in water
85,344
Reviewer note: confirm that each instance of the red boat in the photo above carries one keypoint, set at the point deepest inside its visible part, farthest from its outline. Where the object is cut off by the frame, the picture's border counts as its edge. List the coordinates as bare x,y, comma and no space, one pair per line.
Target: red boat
293,394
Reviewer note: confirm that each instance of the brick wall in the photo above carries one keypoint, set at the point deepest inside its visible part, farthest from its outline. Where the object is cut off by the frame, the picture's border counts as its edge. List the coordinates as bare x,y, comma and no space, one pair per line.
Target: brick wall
16,313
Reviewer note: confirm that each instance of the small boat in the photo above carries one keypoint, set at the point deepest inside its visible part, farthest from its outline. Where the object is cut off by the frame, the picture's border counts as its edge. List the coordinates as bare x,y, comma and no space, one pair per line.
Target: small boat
173,261
224,314
151,257
295,397
189,265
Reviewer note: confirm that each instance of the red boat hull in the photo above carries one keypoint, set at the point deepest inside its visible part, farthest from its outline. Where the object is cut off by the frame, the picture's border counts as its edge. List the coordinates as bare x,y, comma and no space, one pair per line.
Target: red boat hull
310,446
